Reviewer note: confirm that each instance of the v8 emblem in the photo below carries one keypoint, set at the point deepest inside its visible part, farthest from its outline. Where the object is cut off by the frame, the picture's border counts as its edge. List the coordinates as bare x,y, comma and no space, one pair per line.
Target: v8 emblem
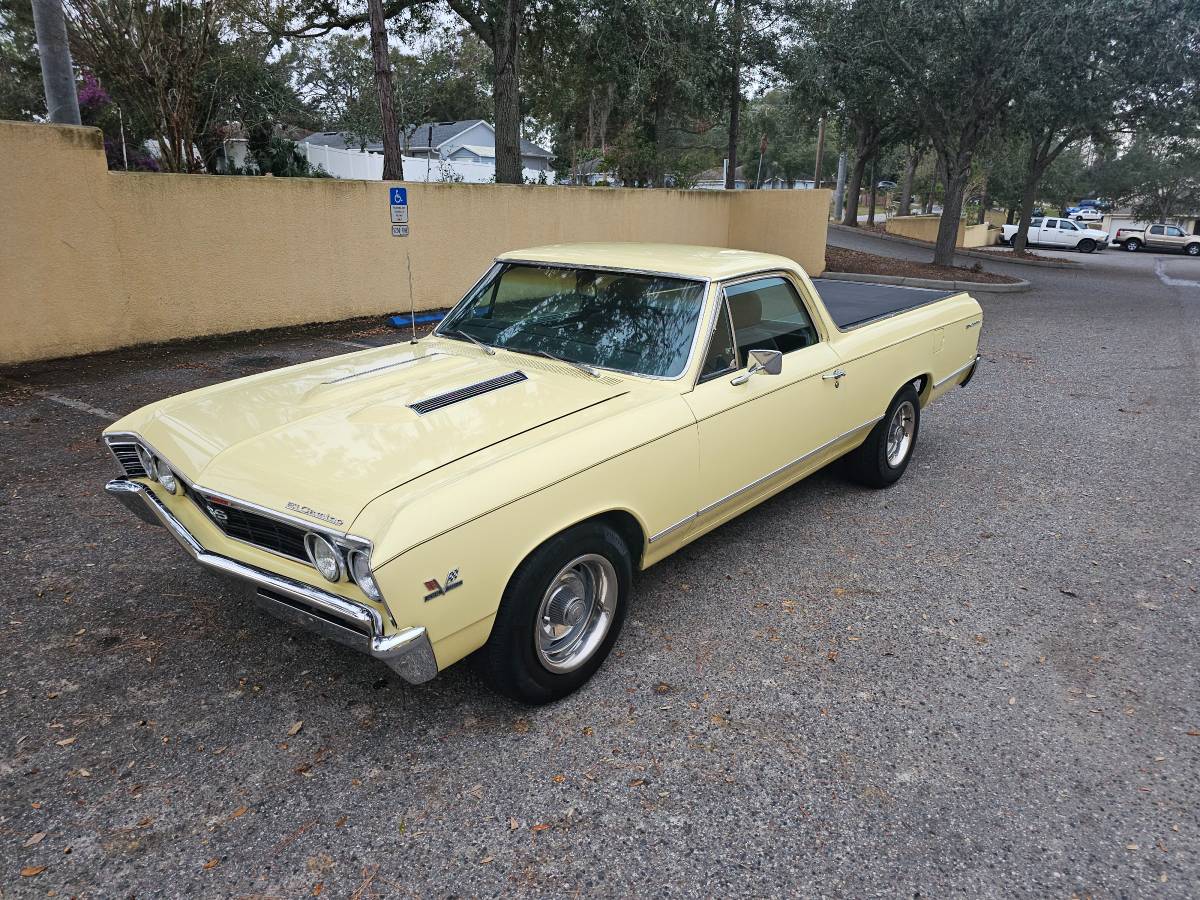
437,589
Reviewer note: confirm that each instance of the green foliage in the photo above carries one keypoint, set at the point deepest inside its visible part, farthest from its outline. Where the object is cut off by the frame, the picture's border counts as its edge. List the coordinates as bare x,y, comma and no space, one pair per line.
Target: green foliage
1159,178
21,95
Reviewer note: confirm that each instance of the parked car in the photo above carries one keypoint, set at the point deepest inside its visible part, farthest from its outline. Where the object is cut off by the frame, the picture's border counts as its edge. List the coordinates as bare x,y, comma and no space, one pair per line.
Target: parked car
1158,237
586,410
1059,232
1088,214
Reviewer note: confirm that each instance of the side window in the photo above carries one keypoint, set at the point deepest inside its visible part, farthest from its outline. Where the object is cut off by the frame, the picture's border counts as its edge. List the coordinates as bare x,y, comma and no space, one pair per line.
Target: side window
1035,223
1066,225
1172,231
722,355
1156,229
769,315
1052,223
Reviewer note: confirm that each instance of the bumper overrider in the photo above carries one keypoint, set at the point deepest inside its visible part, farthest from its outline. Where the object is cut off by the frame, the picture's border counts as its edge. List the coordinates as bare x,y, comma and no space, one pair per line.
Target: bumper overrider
408,651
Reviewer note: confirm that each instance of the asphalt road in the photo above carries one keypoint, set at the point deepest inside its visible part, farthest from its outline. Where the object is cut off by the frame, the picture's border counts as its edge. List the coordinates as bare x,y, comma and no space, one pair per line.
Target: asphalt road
981,682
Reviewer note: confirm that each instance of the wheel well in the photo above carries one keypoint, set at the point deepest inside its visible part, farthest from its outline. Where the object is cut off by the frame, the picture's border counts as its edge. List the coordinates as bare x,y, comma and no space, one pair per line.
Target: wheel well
921,383
629,528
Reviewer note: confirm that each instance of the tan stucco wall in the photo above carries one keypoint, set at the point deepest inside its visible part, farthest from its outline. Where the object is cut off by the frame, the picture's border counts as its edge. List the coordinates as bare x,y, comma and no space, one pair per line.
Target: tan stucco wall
925,228
92,260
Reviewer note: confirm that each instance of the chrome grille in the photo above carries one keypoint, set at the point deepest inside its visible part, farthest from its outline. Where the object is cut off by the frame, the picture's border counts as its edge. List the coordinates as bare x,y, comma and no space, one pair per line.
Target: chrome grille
127,456
254,528
466,393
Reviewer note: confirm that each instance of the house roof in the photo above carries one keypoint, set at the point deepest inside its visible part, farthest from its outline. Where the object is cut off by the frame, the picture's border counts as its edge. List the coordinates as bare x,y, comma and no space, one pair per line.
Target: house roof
718,174
443,132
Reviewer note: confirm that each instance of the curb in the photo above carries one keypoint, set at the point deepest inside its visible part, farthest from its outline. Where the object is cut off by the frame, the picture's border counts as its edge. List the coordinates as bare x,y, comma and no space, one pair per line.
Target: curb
1015,287
976,254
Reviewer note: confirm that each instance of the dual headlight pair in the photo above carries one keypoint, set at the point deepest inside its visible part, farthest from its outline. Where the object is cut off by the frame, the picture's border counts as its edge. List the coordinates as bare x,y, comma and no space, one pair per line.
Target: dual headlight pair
157,470
327,558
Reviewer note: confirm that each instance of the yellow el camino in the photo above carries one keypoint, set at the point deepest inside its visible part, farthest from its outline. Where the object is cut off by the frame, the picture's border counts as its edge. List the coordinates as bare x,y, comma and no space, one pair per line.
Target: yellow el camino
585,410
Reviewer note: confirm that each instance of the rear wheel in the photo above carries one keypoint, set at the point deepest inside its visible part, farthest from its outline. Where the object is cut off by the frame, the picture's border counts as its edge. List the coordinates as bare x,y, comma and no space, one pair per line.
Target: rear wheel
1087,245
1132,244
560,615
886,452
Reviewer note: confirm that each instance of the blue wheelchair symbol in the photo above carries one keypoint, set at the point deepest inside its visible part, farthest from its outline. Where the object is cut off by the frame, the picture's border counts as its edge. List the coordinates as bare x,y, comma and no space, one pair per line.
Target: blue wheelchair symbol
399,196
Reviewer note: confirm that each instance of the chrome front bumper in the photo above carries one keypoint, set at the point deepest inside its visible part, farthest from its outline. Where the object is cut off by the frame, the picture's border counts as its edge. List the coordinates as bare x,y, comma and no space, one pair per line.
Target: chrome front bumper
407,652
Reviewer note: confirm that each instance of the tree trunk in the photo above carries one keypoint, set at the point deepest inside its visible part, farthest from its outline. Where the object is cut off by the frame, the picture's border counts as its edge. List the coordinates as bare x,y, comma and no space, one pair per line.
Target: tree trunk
906,183
507,94
958,173
735,95
393,159
983,200
1012,214
1021,238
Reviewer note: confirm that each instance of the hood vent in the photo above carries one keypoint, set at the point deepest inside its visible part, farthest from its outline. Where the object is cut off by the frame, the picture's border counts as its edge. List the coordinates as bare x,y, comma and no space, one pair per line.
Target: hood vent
466,393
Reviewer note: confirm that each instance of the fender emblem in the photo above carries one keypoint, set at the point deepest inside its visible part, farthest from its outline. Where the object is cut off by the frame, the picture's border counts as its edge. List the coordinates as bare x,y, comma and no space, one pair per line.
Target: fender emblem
437,589
219,514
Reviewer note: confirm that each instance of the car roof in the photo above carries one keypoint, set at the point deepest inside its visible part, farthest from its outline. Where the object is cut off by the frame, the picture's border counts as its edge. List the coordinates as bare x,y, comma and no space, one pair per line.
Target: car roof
685,260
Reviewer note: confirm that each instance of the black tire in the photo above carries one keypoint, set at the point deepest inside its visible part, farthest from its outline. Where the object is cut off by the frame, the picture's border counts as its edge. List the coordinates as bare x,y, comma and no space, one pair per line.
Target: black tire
1192,249
869,464
1002,241
1132,244
509,662
1087,245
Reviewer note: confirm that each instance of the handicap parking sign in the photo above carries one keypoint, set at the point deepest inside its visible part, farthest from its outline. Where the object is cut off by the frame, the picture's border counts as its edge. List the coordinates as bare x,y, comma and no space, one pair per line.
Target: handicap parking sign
399,196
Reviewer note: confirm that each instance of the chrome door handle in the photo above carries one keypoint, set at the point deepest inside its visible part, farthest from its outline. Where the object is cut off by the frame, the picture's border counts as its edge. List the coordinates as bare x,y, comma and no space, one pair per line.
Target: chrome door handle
835,375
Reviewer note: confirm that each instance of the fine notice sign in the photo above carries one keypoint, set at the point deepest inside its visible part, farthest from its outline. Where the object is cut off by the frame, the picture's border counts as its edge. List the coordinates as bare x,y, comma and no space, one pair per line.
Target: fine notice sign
398,203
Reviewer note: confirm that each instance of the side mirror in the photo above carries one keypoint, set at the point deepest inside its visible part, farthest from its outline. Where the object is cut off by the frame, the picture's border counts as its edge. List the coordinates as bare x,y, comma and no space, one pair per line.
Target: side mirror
768,362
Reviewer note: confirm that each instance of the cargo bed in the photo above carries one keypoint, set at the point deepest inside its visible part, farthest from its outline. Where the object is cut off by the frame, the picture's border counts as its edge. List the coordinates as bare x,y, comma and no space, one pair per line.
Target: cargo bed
854,303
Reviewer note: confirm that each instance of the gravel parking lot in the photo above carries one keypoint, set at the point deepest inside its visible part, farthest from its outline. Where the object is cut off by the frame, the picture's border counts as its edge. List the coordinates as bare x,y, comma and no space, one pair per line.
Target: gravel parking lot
983,681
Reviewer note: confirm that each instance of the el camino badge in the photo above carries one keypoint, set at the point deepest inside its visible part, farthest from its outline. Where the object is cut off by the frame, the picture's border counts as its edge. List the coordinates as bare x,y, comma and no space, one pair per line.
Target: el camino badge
437,589
309,511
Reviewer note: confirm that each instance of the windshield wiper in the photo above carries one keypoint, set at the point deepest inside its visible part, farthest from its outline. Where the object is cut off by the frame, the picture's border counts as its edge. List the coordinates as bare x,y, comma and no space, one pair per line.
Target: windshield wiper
582,367
478,343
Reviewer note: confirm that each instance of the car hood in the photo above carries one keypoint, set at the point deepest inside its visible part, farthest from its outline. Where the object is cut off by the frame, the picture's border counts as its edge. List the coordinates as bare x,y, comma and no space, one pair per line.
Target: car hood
322,440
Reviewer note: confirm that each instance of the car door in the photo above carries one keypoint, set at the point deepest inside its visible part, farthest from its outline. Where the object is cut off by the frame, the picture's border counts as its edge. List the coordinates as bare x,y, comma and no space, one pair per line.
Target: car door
1173,237
760,432
1068,233
1156,236
1049,235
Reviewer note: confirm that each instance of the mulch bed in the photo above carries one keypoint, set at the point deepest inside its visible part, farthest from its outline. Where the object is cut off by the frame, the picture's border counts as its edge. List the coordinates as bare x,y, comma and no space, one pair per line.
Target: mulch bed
839,259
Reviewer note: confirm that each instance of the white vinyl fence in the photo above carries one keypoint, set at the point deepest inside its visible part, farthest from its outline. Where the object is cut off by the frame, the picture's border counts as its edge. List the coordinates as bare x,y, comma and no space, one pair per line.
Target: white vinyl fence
369,166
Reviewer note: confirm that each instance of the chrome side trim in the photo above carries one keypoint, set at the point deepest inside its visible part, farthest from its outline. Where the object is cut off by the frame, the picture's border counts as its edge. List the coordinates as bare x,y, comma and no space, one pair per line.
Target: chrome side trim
958,371
686,520
795,462
392,649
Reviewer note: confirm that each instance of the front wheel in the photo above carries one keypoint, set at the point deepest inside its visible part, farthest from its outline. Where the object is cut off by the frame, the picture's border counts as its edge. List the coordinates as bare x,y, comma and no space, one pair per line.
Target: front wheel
1087,245
560,615
1192,249
884,455
1132,244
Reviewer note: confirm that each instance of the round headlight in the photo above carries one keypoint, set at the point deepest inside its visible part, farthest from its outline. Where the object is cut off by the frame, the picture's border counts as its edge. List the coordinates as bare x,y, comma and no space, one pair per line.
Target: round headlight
147,461
165,476
324,556
360,571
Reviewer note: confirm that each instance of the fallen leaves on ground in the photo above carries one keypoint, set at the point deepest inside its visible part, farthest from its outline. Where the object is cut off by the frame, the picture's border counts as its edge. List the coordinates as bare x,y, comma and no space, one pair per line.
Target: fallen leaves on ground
239,812
32,871
212,863
34,839
295,729
66,742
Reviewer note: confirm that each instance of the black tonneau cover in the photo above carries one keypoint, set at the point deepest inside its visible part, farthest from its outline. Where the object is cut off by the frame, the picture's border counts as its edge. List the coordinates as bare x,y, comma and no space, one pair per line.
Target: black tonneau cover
853,303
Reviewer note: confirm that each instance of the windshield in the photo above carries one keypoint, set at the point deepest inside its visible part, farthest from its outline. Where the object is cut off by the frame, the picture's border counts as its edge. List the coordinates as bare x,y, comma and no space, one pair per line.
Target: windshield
643,324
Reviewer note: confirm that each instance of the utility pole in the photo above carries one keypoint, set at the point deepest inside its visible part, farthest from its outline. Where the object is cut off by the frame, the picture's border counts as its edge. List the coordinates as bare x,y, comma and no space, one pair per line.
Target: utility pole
820,152
58,76
735,96
839,194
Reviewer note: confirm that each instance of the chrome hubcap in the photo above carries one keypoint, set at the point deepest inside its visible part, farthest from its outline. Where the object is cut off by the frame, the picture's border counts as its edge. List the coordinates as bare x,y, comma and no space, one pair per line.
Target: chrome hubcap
576,612
900,433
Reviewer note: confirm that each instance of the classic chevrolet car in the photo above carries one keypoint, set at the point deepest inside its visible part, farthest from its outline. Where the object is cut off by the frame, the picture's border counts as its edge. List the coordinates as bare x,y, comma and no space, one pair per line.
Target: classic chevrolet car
584,411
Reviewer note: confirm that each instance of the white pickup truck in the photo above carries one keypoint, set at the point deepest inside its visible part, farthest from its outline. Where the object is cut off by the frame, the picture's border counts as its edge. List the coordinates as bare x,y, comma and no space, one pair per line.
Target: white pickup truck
1059,233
